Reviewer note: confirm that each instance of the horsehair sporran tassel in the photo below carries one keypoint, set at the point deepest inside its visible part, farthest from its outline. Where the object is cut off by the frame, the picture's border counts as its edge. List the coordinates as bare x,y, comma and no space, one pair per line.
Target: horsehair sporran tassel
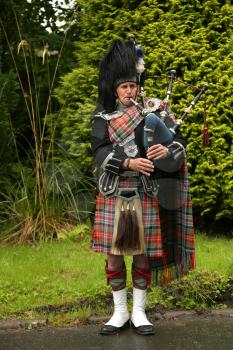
135,229
121,228
124,227
128,228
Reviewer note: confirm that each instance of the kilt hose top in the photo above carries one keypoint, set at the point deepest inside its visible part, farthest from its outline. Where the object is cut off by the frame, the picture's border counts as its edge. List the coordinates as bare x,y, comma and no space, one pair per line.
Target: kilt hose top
167,218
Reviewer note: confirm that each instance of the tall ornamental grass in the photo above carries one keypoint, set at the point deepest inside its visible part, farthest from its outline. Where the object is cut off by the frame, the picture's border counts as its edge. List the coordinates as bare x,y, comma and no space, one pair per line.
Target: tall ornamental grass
46,195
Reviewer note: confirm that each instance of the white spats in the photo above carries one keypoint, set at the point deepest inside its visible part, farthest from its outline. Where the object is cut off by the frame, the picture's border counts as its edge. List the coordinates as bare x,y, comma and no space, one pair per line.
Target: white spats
121,314
138,316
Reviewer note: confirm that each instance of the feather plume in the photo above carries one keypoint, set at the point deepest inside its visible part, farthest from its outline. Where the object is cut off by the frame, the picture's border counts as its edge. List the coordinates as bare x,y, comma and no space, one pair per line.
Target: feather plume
117,65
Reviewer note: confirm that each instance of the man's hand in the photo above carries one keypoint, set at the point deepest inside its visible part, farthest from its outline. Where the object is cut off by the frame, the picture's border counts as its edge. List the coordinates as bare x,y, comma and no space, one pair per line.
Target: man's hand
144,166
157,152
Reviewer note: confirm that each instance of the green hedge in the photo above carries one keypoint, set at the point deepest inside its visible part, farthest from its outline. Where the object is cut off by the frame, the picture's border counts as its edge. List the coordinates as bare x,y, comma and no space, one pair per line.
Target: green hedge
193,37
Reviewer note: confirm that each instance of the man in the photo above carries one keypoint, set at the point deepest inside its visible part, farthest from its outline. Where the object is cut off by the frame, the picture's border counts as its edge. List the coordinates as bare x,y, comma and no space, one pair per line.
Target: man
130,219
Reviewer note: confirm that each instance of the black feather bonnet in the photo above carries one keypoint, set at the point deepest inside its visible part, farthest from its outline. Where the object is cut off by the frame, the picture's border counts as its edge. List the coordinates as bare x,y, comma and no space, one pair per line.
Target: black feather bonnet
118,65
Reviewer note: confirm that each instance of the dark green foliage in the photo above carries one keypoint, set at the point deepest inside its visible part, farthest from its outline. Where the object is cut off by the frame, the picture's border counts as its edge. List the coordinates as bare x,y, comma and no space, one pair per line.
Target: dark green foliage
35,22
71,125
34,189
8,86
195,38
200,291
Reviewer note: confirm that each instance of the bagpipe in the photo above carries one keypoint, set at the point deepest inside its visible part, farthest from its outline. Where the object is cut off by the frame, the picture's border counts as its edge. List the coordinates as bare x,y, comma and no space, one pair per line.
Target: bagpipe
161,126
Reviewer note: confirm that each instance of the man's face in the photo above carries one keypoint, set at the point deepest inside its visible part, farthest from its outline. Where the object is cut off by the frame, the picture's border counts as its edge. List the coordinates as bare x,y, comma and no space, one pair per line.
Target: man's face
125,91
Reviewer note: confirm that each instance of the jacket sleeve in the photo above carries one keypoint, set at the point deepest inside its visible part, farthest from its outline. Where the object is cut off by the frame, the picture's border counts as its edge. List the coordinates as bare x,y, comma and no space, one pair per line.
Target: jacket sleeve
106,155
177,147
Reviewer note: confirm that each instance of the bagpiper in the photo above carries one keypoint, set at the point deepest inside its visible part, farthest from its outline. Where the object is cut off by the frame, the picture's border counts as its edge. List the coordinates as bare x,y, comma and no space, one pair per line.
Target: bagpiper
142,209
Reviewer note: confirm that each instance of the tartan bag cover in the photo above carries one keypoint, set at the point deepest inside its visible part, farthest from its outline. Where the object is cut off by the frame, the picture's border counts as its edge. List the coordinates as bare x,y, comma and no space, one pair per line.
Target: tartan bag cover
167,219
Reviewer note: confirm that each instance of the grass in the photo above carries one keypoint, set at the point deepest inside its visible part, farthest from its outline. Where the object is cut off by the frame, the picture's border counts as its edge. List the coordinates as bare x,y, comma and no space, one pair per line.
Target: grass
63,272
214,254
47,273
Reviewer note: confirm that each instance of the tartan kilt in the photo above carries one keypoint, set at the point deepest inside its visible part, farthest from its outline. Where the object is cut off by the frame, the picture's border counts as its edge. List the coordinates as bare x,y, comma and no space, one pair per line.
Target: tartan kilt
104,220
168,232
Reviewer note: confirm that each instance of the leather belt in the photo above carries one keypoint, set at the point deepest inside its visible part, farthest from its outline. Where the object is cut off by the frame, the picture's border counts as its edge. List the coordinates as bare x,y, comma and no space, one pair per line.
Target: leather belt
129,173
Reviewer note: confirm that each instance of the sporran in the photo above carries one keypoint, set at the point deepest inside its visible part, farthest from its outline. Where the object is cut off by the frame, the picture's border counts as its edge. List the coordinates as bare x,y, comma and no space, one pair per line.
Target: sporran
128,234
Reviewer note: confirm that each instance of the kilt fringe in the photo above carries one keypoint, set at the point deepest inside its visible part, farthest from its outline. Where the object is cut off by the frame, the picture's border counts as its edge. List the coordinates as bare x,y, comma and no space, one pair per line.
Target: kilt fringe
166,274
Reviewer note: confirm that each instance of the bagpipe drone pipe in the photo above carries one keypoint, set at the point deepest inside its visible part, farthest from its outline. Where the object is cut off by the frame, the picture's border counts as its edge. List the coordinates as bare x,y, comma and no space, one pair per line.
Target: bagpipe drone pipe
161,126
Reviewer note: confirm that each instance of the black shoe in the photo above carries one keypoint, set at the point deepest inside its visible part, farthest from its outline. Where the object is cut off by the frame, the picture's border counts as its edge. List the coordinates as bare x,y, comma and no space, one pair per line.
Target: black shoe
144,330
110,330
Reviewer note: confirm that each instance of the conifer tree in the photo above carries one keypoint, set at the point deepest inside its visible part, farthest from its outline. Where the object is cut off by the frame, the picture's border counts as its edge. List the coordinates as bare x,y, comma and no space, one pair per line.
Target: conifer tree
195,38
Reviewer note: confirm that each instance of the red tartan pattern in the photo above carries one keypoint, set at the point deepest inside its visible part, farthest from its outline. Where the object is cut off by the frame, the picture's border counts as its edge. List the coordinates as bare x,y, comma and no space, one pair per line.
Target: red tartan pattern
141,278
177,236
123,126
104,221
169,234
116,279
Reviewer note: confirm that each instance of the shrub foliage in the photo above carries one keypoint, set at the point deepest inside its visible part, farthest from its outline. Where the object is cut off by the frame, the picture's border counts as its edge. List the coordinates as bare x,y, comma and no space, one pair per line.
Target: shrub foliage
195,38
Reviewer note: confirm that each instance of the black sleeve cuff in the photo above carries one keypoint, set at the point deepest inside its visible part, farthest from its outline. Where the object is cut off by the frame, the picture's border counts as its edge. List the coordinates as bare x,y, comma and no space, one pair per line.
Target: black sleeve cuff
175,149
114,165
109,157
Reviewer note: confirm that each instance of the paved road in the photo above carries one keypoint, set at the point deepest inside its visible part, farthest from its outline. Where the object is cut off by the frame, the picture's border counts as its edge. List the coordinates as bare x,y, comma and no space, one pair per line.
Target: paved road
202,333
